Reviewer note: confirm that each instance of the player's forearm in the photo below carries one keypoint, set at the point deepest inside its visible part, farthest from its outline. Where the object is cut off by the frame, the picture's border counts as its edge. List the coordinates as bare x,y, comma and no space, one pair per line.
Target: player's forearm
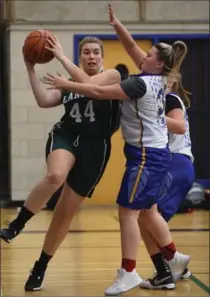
175,126
40,93
111,92
89,90
124,36
75,72
126,39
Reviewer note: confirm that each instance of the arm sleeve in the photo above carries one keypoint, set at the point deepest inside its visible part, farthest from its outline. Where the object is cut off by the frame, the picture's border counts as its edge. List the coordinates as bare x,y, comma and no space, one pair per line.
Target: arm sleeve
171,103
134,87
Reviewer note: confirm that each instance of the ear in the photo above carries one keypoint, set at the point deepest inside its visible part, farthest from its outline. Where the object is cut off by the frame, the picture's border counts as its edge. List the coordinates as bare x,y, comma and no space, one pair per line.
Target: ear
160,64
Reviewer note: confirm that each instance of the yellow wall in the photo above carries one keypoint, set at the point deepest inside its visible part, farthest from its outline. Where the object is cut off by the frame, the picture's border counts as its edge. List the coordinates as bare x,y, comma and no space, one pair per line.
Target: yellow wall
107,190
114,54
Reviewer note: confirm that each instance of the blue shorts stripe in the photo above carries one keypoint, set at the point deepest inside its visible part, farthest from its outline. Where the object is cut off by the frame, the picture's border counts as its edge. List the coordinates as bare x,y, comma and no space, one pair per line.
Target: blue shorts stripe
141,167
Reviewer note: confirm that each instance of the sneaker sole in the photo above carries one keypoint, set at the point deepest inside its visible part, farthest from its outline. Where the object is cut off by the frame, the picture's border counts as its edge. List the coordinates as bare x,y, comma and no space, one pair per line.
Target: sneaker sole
121,292
186,275
161,287
34,289
6,240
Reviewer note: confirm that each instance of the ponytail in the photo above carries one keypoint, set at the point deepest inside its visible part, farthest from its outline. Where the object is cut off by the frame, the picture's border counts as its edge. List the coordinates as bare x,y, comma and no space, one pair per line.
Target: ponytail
171,55
179,52
179,49
179,89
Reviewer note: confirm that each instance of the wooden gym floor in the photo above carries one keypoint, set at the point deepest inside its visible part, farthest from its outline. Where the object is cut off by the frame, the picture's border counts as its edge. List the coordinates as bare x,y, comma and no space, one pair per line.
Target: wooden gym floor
87,260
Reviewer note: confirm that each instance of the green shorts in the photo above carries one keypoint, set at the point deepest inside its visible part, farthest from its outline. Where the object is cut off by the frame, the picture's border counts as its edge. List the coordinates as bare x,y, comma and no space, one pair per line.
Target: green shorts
91,156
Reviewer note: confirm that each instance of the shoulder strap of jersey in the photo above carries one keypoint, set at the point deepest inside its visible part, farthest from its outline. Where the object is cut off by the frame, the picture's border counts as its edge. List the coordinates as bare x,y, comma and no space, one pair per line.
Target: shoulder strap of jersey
179,99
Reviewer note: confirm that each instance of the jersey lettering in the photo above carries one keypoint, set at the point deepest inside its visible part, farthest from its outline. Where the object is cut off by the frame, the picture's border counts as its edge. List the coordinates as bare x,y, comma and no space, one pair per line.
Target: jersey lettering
88,113
75,113
71,96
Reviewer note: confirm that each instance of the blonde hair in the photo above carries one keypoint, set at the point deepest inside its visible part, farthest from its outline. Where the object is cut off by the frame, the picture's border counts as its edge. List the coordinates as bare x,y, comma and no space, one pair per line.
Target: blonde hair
178,88
91,39
171,55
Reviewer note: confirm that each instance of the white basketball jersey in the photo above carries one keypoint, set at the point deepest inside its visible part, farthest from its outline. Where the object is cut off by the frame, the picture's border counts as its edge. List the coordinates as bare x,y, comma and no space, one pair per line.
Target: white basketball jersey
181,143
143,120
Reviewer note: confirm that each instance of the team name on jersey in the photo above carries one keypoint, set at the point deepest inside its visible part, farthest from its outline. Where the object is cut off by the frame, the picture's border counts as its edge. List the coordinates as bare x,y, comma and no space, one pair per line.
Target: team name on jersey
71,96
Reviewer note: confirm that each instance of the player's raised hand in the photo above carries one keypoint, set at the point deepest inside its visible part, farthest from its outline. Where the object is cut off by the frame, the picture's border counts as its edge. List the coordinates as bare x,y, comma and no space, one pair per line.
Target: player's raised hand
112,17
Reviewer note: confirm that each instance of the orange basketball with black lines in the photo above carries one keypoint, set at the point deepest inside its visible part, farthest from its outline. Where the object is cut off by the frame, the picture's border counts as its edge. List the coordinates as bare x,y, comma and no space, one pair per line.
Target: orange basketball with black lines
34,47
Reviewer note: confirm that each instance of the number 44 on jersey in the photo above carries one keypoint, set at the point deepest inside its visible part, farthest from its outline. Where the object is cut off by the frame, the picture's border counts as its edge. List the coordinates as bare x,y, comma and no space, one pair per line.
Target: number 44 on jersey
88,113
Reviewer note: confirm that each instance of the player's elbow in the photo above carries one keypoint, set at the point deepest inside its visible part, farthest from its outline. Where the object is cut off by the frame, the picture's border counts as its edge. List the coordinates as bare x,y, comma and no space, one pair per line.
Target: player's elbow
45,100
43,104
181,129
40,104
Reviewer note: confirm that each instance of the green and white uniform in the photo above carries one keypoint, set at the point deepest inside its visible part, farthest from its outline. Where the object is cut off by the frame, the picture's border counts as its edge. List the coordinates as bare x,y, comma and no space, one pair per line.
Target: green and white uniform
85,130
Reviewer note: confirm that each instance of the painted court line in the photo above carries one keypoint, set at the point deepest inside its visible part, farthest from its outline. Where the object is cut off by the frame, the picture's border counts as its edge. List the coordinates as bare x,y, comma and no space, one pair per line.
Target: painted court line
200,284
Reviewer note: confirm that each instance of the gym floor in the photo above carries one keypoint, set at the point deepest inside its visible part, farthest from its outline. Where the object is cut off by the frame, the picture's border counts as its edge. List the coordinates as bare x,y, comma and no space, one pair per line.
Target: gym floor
86,263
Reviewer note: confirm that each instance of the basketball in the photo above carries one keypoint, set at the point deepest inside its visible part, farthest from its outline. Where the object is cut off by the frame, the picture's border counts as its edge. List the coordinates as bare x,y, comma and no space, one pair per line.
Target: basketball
34,47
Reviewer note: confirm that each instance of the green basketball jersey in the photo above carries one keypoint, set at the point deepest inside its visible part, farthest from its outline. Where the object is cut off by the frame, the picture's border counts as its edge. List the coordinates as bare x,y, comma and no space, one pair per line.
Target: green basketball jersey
92,117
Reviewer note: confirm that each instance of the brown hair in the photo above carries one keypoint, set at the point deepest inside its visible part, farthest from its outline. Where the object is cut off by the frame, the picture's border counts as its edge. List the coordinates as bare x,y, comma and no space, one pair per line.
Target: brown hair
91,39
178,88
173,56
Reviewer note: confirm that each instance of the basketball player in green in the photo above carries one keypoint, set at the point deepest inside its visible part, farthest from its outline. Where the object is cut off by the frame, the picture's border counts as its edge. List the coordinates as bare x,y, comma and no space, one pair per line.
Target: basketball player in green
77,150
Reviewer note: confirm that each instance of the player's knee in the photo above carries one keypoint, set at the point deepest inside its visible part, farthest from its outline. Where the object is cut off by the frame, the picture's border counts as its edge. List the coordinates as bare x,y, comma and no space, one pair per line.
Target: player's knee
56,178
146,215
127,215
